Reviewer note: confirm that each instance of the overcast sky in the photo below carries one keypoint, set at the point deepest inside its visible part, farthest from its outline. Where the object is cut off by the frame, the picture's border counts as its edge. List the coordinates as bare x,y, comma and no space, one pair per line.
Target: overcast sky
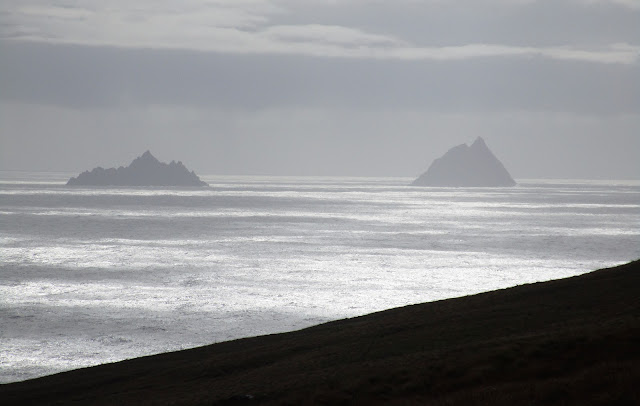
321,87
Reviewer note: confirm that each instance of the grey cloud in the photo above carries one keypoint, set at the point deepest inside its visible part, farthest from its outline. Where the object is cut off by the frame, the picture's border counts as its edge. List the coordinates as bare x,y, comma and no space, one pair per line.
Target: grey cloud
350,87
101,77
251,28
527,23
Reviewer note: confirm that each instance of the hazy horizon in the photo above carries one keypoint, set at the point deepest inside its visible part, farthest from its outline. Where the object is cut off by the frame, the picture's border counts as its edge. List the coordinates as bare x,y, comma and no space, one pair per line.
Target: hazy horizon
341,88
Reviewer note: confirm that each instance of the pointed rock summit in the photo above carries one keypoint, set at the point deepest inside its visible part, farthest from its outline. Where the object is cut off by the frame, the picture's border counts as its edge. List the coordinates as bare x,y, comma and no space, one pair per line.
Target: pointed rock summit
466,166
145,170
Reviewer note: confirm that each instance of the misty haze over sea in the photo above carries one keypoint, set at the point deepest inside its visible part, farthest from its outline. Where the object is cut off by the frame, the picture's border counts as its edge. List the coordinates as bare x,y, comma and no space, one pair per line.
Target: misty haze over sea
98,275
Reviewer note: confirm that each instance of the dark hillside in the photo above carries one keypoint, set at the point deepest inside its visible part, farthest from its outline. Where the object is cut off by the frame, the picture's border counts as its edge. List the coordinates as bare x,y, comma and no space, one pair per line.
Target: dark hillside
570,341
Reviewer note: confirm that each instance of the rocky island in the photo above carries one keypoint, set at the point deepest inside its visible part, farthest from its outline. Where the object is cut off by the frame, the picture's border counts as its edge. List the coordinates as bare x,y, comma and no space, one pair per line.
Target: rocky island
145,170
466,166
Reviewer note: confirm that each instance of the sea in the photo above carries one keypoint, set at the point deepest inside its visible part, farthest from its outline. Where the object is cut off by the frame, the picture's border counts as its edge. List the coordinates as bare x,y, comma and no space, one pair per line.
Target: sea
97,275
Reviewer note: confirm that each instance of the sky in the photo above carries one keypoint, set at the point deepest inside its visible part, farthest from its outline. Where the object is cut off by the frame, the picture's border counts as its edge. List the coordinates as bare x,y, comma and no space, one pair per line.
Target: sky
321,87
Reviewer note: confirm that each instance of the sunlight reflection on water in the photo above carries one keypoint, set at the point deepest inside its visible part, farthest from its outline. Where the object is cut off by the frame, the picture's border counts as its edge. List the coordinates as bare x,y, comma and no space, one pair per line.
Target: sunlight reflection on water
93,276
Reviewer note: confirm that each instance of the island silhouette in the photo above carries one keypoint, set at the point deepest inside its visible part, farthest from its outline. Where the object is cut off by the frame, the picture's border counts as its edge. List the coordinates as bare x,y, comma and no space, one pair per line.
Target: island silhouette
145,170
466,166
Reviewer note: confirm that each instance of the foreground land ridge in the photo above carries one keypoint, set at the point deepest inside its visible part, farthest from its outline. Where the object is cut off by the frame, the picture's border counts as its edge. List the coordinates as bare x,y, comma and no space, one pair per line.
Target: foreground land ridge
569,341
145,170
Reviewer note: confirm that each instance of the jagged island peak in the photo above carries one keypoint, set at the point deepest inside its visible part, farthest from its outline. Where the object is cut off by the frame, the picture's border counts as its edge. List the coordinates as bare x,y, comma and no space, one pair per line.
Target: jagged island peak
467,166
145,170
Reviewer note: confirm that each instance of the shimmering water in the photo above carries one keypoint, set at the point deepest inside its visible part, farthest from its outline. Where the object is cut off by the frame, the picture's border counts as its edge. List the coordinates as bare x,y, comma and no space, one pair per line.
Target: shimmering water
89,276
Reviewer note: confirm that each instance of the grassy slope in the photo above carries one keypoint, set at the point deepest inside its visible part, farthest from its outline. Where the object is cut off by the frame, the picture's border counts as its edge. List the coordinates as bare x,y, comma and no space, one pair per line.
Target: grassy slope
570,341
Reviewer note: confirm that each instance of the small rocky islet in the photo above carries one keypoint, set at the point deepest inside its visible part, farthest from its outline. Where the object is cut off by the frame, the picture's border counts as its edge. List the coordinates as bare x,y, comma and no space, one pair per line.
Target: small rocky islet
145,170
466,166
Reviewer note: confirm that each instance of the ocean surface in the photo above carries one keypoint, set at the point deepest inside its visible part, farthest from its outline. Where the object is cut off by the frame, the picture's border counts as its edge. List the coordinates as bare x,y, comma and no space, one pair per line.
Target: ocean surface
89,276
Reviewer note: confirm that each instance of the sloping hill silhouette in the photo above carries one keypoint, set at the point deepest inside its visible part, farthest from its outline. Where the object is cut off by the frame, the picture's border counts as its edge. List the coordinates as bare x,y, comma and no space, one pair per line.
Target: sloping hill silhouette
569,341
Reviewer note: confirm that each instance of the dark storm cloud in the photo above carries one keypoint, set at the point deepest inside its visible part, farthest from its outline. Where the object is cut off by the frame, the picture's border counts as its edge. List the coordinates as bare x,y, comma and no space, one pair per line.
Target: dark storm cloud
85,77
